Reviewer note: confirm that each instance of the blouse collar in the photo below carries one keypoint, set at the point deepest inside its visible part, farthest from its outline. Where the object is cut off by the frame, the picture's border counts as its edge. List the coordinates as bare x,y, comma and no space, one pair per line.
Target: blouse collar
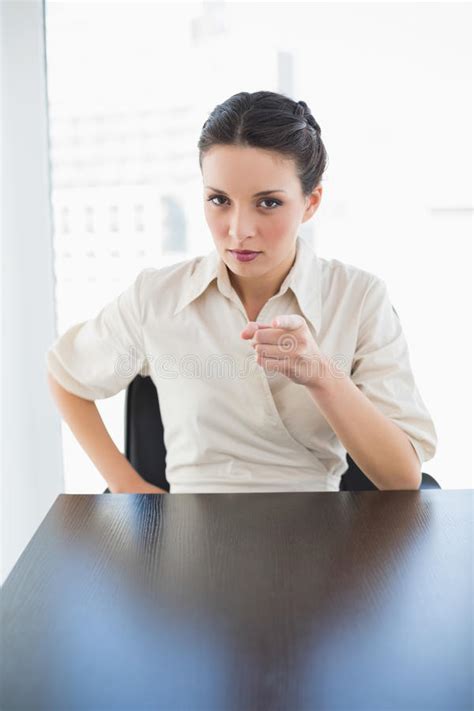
304,279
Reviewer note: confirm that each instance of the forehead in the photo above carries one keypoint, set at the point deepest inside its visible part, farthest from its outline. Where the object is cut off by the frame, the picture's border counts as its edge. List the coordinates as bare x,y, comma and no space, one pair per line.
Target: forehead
253,168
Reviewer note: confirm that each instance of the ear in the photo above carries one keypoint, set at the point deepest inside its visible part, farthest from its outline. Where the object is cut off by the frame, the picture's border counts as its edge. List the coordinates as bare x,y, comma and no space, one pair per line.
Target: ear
312,203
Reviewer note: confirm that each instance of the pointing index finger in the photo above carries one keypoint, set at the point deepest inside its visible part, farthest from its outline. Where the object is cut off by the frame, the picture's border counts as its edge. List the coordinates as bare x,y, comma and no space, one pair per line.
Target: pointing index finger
291,322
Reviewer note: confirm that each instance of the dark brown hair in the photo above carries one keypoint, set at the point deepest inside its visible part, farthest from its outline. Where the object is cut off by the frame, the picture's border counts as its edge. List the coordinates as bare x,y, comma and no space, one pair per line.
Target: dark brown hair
271,121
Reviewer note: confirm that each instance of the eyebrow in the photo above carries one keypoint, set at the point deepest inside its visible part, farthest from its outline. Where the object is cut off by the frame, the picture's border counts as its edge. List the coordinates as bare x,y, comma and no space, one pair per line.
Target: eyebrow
262,192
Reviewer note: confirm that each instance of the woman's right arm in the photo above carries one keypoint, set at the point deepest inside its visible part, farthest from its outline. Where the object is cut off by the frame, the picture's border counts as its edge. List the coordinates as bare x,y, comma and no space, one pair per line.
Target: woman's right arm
86,424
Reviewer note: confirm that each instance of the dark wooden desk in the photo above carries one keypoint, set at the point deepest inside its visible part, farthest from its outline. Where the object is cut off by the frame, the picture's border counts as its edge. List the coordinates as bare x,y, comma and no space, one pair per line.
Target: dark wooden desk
244,601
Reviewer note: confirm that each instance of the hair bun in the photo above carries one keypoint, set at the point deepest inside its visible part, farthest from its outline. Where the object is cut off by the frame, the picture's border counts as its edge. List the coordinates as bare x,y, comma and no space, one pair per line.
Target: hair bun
302,109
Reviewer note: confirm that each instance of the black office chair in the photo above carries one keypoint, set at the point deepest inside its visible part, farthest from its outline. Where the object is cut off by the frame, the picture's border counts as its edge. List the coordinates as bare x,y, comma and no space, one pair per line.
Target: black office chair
146,452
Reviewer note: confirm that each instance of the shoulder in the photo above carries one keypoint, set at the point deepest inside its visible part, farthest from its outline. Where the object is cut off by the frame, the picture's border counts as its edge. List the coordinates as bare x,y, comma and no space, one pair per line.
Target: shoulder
161,287
349,293
342,278
152,277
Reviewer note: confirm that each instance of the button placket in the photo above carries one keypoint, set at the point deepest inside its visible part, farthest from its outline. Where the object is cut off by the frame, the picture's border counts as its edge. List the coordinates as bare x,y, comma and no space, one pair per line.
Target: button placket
269,403
271,408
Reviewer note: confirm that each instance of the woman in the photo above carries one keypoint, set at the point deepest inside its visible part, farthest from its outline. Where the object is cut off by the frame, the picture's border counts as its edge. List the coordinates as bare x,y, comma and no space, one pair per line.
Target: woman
270,363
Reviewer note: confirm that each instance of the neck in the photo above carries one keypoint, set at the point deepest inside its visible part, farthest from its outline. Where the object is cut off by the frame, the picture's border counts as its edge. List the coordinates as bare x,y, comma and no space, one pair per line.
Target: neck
258,290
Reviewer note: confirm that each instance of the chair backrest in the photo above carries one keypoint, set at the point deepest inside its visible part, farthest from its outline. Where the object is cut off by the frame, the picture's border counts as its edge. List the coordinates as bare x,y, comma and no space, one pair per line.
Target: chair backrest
146,452
144,445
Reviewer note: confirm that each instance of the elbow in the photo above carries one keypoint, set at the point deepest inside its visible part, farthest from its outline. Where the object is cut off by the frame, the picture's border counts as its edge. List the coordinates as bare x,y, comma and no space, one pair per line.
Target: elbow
416,476
413,482
410,482
418,479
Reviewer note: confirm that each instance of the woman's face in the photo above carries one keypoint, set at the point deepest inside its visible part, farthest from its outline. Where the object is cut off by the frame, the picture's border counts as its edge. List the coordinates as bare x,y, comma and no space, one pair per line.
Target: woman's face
241,220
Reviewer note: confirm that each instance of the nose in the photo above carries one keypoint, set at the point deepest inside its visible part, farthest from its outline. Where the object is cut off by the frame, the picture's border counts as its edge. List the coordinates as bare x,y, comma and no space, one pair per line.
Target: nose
241,226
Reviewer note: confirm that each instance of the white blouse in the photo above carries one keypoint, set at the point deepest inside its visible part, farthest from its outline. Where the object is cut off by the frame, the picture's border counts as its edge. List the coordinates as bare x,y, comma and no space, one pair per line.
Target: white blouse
229,425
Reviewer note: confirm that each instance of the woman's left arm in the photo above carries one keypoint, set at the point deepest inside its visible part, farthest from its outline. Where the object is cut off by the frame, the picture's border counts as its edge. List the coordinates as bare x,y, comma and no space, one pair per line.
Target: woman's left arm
375,443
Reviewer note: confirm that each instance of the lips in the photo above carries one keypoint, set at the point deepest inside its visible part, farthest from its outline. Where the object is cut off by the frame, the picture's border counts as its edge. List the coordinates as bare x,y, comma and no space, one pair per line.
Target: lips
244,255
243,251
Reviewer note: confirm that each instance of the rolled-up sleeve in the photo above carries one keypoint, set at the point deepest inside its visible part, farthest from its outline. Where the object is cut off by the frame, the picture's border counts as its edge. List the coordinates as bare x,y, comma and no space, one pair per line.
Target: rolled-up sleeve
98,358
381,370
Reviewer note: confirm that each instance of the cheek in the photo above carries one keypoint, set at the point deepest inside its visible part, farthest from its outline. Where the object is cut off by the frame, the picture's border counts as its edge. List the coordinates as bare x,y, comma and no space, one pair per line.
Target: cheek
281,228
215,221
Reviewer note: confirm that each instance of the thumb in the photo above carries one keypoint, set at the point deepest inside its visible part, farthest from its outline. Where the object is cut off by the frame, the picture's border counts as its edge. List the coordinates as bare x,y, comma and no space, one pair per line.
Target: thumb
251,328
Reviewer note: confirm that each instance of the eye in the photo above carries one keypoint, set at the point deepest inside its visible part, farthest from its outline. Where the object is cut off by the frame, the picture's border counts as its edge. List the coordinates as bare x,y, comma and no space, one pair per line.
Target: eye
276,202
215,197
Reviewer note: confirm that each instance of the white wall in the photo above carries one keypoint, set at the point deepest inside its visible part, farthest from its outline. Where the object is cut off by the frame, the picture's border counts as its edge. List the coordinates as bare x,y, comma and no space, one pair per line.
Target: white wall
31,476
